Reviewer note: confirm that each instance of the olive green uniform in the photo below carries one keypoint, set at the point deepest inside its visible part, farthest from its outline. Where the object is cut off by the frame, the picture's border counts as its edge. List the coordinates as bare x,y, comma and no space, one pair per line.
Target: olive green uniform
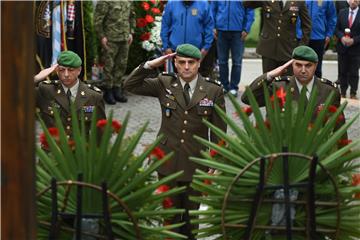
115,21
50,95
179,123
278,33
324,87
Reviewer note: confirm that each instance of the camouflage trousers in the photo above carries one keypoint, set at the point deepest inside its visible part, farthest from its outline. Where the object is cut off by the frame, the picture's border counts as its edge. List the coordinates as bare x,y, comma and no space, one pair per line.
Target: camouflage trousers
115,60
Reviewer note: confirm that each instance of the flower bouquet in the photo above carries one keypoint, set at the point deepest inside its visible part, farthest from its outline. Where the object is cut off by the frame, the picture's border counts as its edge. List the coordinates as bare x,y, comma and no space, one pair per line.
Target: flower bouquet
245,194
138,205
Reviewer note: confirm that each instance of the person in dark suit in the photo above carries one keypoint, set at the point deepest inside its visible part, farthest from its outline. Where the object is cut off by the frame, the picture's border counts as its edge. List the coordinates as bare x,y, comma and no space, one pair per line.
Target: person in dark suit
68,89
304,62
186,99
348,48
278,32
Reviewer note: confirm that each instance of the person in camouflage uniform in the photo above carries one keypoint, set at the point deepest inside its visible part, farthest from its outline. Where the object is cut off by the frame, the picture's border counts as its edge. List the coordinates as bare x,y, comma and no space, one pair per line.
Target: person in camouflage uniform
114,21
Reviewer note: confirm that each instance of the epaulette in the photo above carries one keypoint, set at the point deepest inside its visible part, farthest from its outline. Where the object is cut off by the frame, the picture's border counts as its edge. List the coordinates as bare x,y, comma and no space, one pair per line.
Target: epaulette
328,82
55,82
212,81
282,78
170,74
93,87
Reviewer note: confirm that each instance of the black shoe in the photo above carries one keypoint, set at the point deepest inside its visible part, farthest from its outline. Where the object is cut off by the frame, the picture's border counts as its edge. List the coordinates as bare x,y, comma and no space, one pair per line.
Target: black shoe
119,95
109,97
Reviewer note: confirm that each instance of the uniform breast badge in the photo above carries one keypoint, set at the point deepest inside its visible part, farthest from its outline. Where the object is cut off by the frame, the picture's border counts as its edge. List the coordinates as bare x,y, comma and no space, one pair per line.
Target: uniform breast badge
88,109
206,103
167,112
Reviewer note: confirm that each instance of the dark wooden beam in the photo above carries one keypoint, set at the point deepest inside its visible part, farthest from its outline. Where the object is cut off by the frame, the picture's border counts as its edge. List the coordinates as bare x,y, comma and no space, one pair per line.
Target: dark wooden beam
17,121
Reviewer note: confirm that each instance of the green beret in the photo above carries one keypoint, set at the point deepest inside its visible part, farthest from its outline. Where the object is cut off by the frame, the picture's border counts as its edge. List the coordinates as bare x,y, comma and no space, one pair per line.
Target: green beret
305,53
188,50
69,59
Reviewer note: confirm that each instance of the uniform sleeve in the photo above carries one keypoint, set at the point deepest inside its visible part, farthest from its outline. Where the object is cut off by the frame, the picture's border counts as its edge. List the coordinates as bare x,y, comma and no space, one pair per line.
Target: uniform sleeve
216,119
214,8
165,26
100,107
139,83
249,19
331,19
305,23
257,89
132,18
208,24
99,16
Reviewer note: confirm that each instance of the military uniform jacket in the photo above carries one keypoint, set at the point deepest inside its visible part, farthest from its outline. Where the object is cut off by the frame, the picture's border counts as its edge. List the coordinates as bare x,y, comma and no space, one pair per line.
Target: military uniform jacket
51,95
114,20
180,122
324,87
278,33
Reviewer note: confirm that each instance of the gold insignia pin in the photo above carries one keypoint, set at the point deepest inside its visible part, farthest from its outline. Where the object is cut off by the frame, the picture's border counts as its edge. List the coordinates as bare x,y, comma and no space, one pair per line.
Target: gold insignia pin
82,93
292,89
58,91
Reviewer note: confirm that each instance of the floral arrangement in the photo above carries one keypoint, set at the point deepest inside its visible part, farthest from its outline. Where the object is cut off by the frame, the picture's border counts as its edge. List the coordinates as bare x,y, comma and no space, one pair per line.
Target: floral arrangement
105,154
230,196
147,42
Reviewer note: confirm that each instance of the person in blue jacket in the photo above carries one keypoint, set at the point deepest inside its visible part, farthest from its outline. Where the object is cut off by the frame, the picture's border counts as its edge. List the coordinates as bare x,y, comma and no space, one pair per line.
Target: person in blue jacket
323,19
232,24
187,22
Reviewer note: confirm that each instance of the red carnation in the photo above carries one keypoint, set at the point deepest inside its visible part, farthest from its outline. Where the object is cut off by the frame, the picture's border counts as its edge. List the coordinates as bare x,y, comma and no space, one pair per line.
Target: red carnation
281,95
340,118
54,133
162,189
145,6
116,125
207,181
141,22
213,152
149,18
167,202
356,182
344,142
155,10
247,110
145,36
157,153
332,109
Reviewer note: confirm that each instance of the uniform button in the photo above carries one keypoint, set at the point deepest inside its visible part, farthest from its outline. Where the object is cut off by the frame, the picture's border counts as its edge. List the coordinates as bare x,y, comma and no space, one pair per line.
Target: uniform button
185,122
205,112
278,28
183,131
182,140
280,14
278,34
68,127
186,112
51,112
86,118
167,104
69,119
279,21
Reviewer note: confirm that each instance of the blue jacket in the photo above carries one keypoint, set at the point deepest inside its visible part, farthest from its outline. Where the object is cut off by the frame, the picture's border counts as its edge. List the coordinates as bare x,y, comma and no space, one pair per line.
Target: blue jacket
232,16
323,19
192,24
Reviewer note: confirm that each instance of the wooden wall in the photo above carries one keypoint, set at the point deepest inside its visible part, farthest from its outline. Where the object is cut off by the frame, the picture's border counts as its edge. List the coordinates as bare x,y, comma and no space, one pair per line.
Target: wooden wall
17,121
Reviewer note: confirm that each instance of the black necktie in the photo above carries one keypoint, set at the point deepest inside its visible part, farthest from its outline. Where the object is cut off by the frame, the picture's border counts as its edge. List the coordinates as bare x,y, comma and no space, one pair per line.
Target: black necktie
186,93
281,4
68,94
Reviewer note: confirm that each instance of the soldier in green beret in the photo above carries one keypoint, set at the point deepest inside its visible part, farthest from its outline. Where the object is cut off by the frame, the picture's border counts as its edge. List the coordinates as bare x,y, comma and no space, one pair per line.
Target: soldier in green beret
304,62
68,89
186,98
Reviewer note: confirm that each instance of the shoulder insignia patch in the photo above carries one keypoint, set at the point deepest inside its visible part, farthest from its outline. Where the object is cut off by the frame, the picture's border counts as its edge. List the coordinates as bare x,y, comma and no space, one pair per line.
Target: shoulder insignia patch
94,88
51,82
212,81
282,78
328,82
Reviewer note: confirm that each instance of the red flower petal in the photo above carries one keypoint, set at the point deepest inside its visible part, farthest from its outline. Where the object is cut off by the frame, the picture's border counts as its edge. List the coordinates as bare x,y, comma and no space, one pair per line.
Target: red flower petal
167,202
332,109
162,189
116,125
149,19
101,123
344,142
145,6
145,36
157,153
141,22
355,179
155,11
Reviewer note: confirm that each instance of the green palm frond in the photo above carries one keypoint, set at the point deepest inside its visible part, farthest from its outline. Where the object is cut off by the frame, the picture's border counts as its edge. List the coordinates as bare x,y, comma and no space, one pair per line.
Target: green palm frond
301,128
101,156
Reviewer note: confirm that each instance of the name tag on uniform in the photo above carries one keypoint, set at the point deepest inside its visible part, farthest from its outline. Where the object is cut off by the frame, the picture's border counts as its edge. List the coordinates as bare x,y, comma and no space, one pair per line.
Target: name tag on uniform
88,109
206,103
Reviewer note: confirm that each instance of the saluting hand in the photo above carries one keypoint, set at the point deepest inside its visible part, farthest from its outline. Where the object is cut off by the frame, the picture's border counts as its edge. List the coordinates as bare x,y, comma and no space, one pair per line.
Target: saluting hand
44,73
279,70
157,62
